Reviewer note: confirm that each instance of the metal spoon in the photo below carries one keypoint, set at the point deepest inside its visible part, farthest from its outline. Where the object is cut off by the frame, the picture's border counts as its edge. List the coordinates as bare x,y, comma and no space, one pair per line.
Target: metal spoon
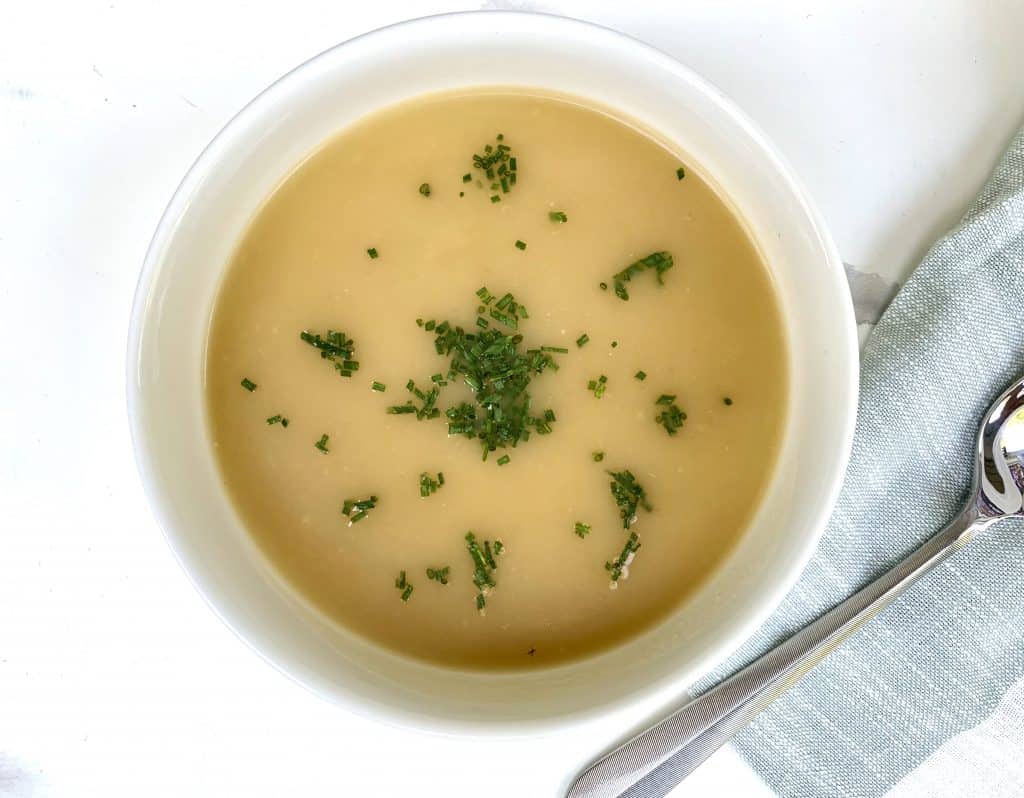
655,761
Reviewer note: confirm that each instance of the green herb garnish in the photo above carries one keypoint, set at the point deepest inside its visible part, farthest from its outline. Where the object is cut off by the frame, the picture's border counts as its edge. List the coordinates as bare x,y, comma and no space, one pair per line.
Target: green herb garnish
404,585
641,375
248,384
680,173
498,165
380,387
581,529
661,262
372,252
428,402
629,496
582,340
429,485
603,286
598,456
322,444
492,362
617,567
467,177
484,566
504,460
671,417
598,386
278,420
558,216
425,189
336,348
358,509
727,401
614,344
520,244
439,574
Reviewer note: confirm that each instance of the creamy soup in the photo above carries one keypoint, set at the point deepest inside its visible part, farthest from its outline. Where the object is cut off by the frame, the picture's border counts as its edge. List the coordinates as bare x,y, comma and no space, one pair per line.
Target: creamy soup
604,433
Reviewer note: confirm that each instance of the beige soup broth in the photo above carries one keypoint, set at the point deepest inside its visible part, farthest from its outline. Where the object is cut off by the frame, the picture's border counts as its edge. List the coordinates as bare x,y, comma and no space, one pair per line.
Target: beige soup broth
574,302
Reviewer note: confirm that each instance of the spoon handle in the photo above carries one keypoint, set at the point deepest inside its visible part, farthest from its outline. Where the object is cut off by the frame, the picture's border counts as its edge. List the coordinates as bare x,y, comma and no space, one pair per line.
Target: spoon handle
655,761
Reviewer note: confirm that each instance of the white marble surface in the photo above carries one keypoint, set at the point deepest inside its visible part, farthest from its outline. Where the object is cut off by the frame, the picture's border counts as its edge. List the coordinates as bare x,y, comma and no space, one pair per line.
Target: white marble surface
115,679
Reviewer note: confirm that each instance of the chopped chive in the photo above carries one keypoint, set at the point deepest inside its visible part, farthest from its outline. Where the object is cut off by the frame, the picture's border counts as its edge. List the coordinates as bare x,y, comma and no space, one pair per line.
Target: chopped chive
558,216
671,417
439,574
504,459
598,456
278,420
641,375
661,262
680,173
603,286
404,585
614,344
336,348
727,401
372,252
425,189
358,509
462,193
467,177
490,360
629,496
617,567
581,529
582,340
497,165
484,565
428,408
380,387
322,444
520,244
429,485
248,384
598,386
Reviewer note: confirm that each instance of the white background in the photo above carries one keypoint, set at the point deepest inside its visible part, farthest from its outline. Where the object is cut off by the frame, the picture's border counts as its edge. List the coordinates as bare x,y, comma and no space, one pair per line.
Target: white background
115,679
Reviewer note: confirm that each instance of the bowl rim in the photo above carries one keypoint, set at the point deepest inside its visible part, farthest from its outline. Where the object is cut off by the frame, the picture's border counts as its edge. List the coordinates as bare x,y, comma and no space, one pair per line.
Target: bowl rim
159,501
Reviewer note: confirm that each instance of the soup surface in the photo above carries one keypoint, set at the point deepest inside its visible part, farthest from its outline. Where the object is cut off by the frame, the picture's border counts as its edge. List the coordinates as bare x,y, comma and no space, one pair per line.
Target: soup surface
666,409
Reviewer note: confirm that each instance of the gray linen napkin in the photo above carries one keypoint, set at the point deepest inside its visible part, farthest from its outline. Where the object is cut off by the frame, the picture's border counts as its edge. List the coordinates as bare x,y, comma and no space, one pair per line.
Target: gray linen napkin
943,655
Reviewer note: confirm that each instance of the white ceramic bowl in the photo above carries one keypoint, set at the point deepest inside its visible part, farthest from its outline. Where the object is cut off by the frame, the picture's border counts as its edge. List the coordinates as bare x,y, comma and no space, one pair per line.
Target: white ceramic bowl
212,208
